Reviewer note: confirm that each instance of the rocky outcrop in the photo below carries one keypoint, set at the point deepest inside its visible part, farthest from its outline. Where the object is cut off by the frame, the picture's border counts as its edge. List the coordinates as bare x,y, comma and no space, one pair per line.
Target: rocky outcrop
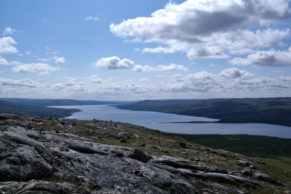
46,161
54,161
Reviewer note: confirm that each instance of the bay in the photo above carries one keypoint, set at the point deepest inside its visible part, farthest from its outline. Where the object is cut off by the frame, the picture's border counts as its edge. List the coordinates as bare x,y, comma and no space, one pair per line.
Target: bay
168,122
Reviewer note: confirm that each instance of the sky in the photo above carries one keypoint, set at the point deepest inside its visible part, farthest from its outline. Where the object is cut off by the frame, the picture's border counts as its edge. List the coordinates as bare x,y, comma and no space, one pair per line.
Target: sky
136,50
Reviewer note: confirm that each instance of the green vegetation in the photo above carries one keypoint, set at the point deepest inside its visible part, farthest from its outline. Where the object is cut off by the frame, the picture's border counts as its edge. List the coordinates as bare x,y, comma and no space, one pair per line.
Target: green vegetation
245,110
158,143
280,168
56,102
38,107
19,109
249,145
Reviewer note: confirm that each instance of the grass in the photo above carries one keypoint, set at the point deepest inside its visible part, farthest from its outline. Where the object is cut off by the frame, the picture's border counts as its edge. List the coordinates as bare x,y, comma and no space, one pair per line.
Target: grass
159,143
280,169
249,145
272,155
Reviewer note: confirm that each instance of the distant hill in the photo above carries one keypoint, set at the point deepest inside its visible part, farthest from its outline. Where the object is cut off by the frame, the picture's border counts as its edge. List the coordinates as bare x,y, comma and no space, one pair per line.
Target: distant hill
20,109
244,110
56,102
39,107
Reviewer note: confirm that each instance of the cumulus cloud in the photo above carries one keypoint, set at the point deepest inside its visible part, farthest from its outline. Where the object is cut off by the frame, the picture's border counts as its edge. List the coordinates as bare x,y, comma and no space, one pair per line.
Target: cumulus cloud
117,63
3,61
42,68
92,18
234,73
7,45
8,31
210,28
266,58
201,82
229,81
263,83
59,60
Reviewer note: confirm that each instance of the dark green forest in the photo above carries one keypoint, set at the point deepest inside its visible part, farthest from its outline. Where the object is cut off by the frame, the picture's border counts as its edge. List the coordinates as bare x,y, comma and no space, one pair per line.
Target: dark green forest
244,110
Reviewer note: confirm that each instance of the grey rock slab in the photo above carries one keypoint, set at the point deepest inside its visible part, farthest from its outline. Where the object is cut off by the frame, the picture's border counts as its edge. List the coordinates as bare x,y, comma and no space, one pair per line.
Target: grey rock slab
28,156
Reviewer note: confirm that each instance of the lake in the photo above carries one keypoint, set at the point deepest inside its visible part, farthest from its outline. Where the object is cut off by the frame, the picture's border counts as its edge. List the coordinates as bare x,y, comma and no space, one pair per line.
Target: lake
166,122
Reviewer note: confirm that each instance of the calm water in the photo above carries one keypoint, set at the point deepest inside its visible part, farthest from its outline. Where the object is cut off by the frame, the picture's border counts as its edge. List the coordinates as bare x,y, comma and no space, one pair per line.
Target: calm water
163,122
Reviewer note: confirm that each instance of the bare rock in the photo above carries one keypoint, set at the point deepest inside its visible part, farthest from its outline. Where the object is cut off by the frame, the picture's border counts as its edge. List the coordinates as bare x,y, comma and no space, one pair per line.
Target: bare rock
139,155
266,178
243,162
74,164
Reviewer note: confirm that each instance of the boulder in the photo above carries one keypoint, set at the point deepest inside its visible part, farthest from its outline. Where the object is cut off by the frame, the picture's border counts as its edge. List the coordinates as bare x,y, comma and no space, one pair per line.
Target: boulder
139,155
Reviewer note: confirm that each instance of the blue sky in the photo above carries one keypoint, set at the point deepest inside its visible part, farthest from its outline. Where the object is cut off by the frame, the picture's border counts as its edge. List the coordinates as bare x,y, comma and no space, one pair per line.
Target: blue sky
128,50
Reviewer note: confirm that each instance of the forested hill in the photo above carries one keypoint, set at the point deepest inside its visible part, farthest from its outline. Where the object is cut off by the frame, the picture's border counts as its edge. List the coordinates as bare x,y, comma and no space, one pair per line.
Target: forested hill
20,109
56,102
244,110
39,107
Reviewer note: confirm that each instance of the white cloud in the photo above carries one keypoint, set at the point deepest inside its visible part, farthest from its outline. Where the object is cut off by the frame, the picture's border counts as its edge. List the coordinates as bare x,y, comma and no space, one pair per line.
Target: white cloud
3,61
49,51
141,68
203,75
59,60
117,63
96,79
241,83
234,73
42,68
92,18
263,83
171,67
18,83
210,28
266,58
144,79
197,85
7,45
177,77
8,31
200,82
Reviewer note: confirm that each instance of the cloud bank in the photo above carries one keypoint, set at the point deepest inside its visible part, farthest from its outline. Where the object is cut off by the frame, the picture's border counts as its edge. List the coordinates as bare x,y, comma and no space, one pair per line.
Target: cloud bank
211,28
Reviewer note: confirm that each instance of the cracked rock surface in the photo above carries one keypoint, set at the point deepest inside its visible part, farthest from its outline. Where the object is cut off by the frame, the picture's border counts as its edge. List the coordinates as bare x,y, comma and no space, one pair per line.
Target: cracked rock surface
28,155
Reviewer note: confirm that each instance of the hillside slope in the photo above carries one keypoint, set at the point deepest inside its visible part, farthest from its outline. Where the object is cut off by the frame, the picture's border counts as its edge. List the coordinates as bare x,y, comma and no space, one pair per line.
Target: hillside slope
245,110
47,155
56,102
20,109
